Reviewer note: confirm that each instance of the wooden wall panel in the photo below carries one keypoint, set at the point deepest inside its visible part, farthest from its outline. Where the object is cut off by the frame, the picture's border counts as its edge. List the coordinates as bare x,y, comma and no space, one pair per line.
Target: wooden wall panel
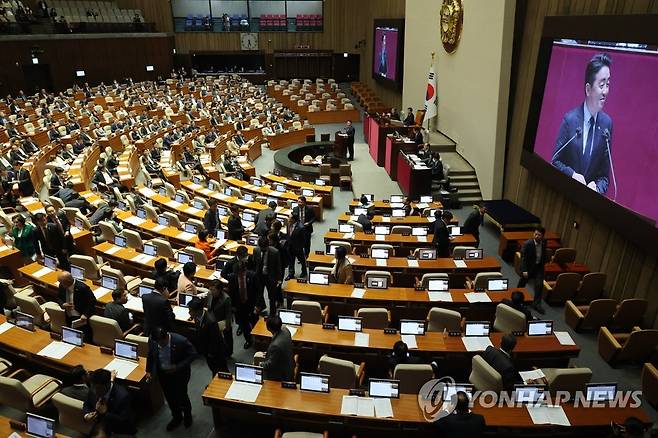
631,273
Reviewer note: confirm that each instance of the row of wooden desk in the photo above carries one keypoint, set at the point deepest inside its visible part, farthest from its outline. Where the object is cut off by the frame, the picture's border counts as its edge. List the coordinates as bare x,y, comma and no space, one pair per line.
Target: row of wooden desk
285,139
327,192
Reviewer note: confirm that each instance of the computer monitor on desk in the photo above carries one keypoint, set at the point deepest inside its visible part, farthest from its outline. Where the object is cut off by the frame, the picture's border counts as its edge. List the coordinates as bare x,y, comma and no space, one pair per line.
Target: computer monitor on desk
384,388
120,240
314,382
437,285
382,230
345,228
412,327
540,328
601,392
316,277
349,323
39,427
497,284
531,394
109,282
474,254
419,231
358,211
125,350
290,317
427,254
476,328
377,282
248,373
72,336
379,253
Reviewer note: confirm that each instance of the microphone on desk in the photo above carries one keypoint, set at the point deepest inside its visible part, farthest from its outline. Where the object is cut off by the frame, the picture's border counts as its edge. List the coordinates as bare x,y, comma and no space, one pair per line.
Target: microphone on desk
577,134
606,135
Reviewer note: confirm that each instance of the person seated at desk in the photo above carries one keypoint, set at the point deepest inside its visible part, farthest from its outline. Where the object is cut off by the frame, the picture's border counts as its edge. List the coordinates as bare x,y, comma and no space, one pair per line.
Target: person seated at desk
366,221
111,161
400,356
500,360
342,270
206,245
116,311
104,179
517,303
408,208
409,119
17,155
424,152
436,165
105,212
108,406
461,422
29,146
169,277
185,282
78,387
279,363
267,131
239,139
57,179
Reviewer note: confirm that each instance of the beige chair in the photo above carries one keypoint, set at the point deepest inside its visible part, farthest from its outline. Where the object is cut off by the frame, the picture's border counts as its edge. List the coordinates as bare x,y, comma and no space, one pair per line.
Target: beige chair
401,229
509,320
567,379
29,395
591,288
173,219
170,190
649,380
636,346
343,374
357,226
591,317
127,282
106,330
312,312
374,273
346,245
56,202
142,343
629,314
30,305
425,279
564,255
374,318
460,251
484,377
280,434
182,194
201,201
199,255
439,319
57,316
133,239
5,366
412,377
70,413
92,269
163,248
482,279
107,231
71,213
151,213
563,289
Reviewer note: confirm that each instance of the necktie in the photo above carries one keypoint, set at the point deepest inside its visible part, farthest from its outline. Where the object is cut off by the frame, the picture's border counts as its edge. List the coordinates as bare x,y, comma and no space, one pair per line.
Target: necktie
243,288
301,215
588,146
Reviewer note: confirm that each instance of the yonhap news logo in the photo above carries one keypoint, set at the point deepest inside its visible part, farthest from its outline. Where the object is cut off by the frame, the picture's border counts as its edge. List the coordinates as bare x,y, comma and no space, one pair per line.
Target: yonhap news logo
430,399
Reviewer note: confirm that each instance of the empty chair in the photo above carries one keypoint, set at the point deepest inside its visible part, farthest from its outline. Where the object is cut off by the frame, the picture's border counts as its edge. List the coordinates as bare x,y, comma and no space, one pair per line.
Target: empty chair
183,195
151,213
28,395
509,320
107,231
163,248
5,366
325,173
483,376
629,314
649,380
378,274
401,229
425,279
70,413
170,190
57,316
481,280
345,177
412,377
374,318
564,288
92,269
133,239
198,224
439,319
56,202
342,373
172,219
592,317
564,255
312,312
591,287
280,434
390,248
636,346
337,243
127,282
106,330
460,251
30,305
199,255
142,343
200,201
567,379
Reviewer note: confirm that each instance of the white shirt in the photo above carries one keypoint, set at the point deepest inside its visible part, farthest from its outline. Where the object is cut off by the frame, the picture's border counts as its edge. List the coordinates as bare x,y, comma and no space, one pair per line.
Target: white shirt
586,116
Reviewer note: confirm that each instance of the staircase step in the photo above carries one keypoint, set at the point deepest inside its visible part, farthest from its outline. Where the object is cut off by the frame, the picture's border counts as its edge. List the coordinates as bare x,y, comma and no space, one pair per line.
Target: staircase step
465,185
463,178
443,148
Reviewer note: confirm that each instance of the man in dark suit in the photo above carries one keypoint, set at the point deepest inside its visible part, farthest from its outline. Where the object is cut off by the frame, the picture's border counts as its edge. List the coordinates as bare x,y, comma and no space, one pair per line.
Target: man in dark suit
279,363
500,360
294,245
263,214
410,119
473,222
243,287
208,338
211,218
533,258
25,186
306,217
234,224
116,311
62,228
157,310
108,405
441,237
78,387
77,299
170,356
461,422
516,303
268,270
582,146
349,131
220,306
366,221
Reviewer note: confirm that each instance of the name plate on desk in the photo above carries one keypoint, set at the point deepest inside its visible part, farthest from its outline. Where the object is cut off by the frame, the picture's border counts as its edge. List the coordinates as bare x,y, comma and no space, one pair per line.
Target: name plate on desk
328,326
289,385
390,331
224,375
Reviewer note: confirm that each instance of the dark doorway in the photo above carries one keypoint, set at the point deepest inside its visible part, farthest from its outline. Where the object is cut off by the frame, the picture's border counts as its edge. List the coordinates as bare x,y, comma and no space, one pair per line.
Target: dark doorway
37,76
346,68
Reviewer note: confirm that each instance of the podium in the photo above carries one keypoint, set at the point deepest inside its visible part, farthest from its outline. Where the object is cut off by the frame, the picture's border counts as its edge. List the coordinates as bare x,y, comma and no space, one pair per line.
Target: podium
394,145
414,178
340,144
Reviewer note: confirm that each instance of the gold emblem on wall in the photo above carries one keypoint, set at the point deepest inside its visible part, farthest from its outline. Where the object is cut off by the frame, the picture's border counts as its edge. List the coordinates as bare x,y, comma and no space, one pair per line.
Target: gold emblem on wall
452,21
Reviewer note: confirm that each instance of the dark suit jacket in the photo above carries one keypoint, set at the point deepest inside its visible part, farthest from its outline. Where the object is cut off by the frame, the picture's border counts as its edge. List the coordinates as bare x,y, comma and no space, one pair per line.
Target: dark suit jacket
208,338
210,221
78,392
409,120
119,416
365,222
472,224
182,355
441,238
309,218
296,239
502,363
25,183
529,262
235,228
273,263
220,308
570,159
84,301
279,363
468,425
157,312
118,313
234,290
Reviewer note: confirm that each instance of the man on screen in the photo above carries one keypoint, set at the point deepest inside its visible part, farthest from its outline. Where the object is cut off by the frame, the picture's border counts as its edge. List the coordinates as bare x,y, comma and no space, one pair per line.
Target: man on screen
383,68
582,145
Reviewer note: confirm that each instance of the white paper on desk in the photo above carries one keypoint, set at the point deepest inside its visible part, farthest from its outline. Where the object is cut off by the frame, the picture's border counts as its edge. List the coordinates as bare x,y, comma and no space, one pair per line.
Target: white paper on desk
421,238
351,259
292,329
348,236
134,220
5,247
230,246
5,326
383,408
216,275
410,340
361,339
380,237
56,350
460,263
349,405
386,218
192,210
476,343
194,186
185,236
365,407
219,243
353,218
144,258
242,202
41,272
380,262
243,391
358,292
134,303
477,297
100,291
531,375
206,192
181,313
564,338
221,196
440,296
412,263
74,230
158,228
122,367
113,250
548,415
422,205
173,204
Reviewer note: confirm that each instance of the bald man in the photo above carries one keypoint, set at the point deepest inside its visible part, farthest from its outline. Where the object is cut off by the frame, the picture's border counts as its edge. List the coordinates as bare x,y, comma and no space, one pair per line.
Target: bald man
77,299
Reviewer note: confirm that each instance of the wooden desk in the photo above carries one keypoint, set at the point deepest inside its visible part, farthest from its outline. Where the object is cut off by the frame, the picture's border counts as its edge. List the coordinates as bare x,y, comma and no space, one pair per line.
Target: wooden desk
285,139
11,259
510,241
403,302
245,165
321,411
414,221
404,275
404,245
384,207
377,138
337,116
6,429
327,192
